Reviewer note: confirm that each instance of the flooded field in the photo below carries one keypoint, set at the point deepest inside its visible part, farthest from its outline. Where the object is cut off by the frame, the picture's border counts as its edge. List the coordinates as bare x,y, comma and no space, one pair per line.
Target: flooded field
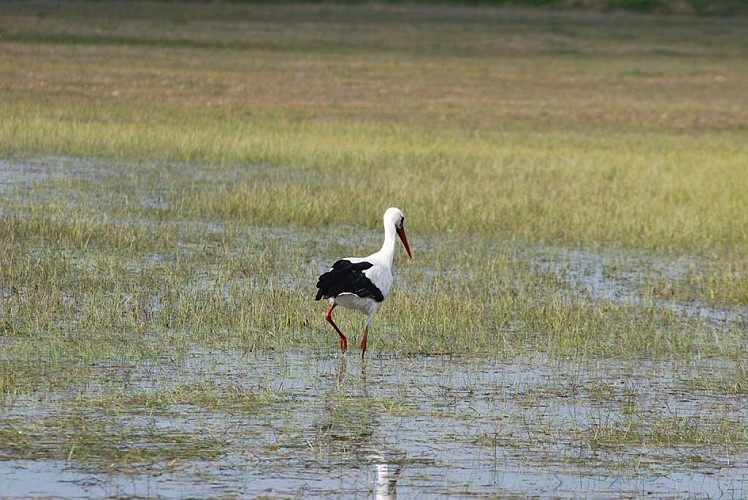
310,423
573,323
148,352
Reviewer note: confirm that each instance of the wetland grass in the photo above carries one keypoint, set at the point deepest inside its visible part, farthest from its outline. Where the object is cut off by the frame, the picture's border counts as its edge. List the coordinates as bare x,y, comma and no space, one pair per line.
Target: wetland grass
590,147
173,183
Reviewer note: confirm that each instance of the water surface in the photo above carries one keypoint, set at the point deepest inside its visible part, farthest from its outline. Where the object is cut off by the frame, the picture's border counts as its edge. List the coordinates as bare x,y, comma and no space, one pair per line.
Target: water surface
423,425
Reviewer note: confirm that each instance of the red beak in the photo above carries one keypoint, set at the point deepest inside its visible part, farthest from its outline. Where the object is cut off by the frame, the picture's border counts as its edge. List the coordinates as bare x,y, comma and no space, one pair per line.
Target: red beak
401,233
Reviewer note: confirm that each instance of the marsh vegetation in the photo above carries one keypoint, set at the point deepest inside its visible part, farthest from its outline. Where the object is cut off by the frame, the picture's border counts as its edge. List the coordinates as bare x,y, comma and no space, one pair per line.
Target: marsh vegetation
173,181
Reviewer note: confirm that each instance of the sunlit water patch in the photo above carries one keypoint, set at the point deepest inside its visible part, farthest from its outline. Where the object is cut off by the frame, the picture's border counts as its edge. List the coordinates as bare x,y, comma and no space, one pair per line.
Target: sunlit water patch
292,423
625,277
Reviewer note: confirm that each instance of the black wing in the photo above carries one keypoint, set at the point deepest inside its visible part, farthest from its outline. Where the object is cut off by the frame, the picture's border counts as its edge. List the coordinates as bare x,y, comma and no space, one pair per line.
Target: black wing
347,277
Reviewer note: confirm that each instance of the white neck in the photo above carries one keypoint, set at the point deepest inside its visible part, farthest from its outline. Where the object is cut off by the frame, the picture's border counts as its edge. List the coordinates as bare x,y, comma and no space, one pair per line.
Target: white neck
387,252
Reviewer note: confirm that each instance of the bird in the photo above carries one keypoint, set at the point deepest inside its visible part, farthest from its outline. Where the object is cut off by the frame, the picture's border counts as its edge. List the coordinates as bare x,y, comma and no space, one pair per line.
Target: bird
362,283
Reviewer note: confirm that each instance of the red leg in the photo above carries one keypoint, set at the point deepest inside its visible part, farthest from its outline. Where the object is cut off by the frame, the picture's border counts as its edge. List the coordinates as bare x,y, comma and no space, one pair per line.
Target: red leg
363,341
343,340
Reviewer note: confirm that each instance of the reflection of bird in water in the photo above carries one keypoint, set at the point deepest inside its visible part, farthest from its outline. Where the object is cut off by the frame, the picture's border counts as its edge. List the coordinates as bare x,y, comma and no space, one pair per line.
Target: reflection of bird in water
350,430
386,478
341,371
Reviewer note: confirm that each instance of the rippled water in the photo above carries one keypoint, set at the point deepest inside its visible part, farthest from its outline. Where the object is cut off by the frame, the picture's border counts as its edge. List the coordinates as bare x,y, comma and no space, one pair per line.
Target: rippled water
430,425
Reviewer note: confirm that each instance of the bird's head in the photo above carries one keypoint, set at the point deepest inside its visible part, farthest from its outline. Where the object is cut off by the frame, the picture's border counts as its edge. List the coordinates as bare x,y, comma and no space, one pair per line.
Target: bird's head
393,216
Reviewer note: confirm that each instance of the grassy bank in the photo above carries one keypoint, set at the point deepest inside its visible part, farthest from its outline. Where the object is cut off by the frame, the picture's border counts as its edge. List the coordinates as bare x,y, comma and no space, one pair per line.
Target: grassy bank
568,129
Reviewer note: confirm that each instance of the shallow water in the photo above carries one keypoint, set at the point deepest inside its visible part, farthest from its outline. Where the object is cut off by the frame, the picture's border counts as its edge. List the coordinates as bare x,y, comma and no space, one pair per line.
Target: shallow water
621,276
293,423
427,425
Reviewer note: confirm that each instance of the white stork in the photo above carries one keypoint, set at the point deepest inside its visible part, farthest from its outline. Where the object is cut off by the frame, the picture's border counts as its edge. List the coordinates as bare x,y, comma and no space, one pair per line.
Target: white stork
363,283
